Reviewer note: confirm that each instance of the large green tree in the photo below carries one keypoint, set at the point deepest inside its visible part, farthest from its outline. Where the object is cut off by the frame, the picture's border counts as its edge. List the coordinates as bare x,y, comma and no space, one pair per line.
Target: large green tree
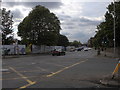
40,27
63,40
6,27
117,23
105,33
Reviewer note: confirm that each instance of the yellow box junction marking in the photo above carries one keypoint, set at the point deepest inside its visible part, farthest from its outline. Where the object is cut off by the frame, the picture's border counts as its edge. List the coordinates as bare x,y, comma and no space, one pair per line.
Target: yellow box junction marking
18,78
25,86
50,75
23,77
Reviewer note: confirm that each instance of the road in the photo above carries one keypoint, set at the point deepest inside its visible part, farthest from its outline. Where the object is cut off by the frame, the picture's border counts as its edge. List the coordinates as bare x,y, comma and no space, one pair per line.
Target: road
81,69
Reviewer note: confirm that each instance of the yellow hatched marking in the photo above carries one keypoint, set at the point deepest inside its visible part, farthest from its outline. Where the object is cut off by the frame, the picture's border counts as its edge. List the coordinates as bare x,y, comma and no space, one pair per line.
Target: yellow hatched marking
49,75
18,78
25,86
22,76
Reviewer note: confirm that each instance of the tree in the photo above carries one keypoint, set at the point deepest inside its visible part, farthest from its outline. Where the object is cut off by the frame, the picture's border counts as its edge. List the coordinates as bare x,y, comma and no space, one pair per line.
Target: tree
7,37
40,27
63,41
117,23
75,43
106,28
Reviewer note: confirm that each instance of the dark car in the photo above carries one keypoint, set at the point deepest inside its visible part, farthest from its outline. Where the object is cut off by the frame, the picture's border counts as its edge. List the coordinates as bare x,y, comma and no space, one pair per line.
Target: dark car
79,49
58,52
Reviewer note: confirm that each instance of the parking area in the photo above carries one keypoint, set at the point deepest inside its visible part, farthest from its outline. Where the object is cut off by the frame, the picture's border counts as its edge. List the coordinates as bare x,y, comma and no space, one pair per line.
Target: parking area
33,71
27,71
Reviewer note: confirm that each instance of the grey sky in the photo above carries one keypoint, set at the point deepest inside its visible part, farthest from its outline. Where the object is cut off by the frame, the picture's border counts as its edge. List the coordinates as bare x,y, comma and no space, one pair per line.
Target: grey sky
33,4
78,19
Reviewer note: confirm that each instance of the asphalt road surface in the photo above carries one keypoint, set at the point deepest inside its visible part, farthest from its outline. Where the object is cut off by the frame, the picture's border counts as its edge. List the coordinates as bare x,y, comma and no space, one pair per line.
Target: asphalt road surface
81,69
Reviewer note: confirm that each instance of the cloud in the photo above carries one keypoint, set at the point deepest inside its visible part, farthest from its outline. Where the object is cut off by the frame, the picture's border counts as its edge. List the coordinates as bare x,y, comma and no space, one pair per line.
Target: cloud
62,17
86,22
78,19
21,9
59,0
79,22
81,34
81,28
95,8
17,13
50,5
65,33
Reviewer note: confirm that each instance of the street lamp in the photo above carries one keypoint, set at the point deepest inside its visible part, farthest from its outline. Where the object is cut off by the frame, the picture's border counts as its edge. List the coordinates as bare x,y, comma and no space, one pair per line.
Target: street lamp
0,3
114,29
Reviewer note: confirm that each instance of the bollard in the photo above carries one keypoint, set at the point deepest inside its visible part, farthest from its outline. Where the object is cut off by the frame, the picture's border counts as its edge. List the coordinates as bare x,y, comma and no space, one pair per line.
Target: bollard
116,69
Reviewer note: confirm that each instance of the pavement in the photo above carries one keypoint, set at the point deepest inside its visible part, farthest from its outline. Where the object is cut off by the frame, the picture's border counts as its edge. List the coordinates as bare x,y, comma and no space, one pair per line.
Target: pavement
109,54
110,80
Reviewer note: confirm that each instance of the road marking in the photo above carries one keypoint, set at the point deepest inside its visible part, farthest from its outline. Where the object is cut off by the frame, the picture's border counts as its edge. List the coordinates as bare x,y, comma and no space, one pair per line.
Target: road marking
56,64
22,76
49,75
39,69
45,70
20,71
59,71
5,72
18,78
25,86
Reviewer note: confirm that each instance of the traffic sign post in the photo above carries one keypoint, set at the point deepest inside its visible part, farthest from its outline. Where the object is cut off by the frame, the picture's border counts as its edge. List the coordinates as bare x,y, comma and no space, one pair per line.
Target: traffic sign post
105,42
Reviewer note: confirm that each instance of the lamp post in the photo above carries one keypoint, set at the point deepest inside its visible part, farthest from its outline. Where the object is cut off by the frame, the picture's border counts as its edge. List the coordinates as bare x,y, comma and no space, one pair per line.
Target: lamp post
114,29
0,3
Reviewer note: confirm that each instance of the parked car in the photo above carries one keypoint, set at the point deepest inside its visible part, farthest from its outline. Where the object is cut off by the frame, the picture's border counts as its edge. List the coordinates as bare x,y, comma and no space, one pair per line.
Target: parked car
58,52
79,49
72,49
86,49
